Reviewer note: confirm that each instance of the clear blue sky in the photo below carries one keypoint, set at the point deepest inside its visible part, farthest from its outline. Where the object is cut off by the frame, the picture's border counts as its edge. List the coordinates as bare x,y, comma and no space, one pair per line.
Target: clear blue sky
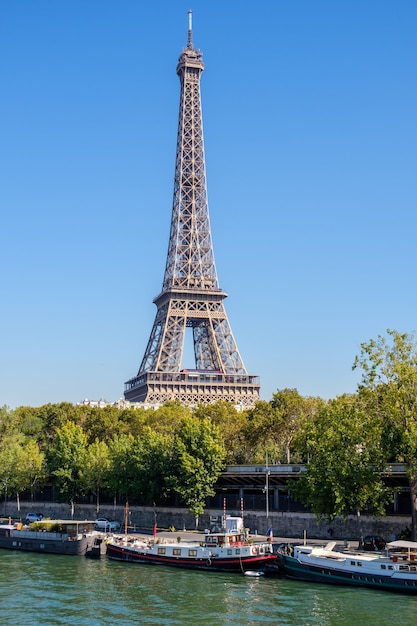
311,150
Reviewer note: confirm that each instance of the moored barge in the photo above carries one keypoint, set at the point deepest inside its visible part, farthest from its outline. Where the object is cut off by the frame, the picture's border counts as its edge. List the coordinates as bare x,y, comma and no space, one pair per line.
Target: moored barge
225,552
53,537
392,570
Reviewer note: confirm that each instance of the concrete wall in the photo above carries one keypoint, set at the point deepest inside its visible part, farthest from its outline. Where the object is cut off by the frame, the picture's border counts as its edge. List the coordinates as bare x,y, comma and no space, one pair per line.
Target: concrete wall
292,525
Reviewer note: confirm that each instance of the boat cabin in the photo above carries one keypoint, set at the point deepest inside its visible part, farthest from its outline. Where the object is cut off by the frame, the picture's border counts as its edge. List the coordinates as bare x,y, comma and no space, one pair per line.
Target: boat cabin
69,528
6,530
224,540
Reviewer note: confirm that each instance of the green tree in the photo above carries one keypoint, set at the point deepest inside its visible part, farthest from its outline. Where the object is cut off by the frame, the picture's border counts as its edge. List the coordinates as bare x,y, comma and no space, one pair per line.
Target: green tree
66,459
122,473
152,464
99,423
290,408
55,416
10,455
32,469
261,434
21,465
166,418
343,445
389,389
9,422
232,425
29,421
132,420
197,459
272,426
96,468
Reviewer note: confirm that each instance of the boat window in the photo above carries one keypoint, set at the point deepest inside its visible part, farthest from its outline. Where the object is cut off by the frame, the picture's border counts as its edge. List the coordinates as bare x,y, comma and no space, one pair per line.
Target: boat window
161,550
176,551
359,563
352,562
192,552
383,567
390,567
237,550
229,552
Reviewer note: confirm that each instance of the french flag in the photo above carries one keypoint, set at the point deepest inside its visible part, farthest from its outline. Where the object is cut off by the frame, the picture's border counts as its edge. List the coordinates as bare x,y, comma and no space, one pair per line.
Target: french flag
270,534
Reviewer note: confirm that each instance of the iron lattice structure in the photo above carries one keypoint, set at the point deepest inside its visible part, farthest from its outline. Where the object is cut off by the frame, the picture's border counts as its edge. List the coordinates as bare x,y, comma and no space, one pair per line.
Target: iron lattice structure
191,296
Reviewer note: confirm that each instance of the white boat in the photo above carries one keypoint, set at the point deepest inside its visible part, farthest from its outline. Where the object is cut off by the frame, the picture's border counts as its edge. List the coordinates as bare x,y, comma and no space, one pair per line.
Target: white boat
395,569
228,551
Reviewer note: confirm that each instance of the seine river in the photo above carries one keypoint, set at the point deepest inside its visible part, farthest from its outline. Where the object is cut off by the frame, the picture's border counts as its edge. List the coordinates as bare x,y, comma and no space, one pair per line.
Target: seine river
47,590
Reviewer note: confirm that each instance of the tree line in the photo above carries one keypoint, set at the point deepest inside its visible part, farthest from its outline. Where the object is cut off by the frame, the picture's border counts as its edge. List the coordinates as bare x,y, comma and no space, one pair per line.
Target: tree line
144,455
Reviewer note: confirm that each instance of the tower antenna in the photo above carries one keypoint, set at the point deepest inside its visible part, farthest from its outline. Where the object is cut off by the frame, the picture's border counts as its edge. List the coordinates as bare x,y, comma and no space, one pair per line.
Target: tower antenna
190,29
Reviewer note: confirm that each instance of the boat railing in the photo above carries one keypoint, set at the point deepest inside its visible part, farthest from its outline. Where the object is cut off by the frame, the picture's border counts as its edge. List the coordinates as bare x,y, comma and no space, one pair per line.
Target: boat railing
44,534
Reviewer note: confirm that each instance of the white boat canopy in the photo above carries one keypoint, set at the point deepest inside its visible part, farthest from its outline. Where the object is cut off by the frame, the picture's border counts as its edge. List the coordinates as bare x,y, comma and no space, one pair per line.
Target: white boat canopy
401,543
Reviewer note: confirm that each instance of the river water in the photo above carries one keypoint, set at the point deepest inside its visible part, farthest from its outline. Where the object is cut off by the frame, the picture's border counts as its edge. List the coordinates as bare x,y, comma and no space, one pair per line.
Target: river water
49,590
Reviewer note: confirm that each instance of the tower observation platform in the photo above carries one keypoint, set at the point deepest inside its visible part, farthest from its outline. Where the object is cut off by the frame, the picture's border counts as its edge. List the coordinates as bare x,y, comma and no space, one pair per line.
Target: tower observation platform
191,297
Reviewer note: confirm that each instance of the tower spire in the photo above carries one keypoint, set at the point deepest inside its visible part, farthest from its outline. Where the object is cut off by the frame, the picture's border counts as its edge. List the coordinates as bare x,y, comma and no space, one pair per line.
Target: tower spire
190,29
190,296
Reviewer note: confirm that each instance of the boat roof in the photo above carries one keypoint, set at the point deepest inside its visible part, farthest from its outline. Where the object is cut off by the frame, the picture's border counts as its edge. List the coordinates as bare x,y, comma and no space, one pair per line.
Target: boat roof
67,521
63,522
402,543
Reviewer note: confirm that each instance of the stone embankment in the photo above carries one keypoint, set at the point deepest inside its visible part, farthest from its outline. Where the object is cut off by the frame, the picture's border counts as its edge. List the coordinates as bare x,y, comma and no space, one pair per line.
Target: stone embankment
296,525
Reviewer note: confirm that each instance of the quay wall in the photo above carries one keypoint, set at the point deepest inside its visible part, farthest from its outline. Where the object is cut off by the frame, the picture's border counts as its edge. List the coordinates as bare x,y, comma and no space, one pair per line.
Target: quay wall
284,524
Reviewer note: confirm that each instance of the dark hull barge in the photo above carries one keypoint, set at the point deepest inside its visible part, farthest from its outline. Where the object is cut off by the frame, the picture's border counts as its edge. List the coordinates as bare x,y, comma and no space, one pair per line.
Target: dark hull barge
68,537
393,570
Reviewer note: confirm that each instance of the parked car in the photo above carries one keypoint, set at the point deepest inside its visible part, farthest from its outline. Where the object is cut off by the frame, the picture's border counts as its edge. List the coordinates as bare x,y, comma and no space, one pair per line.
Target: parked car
106,525
374,543
33,517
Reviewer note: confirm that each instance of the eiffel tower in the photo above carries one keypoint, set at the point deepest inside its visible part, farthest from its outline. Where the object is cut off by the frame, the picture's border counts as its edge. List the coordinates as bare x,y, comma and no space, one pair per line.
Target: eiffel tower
191,296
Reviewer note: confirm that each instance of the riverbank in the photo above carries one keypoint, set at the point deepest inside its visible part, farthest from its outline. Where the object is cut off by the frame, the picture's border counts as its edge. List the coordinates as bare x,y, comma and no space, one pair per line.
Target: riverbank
284,524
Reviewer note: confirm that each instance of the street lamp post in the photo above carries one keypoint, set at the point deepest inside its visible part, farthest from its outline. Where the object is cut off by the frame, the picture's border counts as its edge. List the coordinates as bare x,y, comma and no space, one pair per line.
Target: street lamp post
267,491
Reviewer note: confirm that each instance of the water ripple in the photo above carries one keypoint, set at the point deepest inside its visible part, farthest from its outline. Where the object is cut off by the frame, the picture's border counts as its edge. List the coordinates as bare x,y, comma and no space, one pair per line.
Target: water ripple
74,591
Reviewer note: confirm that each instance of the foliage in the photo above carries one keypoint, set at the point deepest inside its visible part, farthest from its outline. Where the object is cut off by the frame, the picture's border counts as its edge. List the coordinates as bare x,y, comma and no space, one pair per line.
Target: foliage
389,389
10,461
122,475
166,418
232,425
197,459
32,470
54,527
9,422
290,409
55,416
66,459
21,461
272,426
96,467
152,465
343,445
29,422
99,424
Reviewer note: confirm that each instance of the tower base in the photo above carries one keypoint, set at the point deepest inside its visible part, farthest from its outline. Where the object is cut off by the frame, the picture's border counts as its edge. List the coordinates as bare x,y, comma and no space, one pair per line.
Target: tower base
193,387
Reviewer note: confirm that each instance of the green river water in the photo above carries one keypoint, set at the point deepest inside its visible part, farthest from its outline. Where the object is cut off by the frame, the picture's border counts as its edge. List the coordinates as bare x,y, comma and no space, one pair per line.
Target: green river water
50,590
